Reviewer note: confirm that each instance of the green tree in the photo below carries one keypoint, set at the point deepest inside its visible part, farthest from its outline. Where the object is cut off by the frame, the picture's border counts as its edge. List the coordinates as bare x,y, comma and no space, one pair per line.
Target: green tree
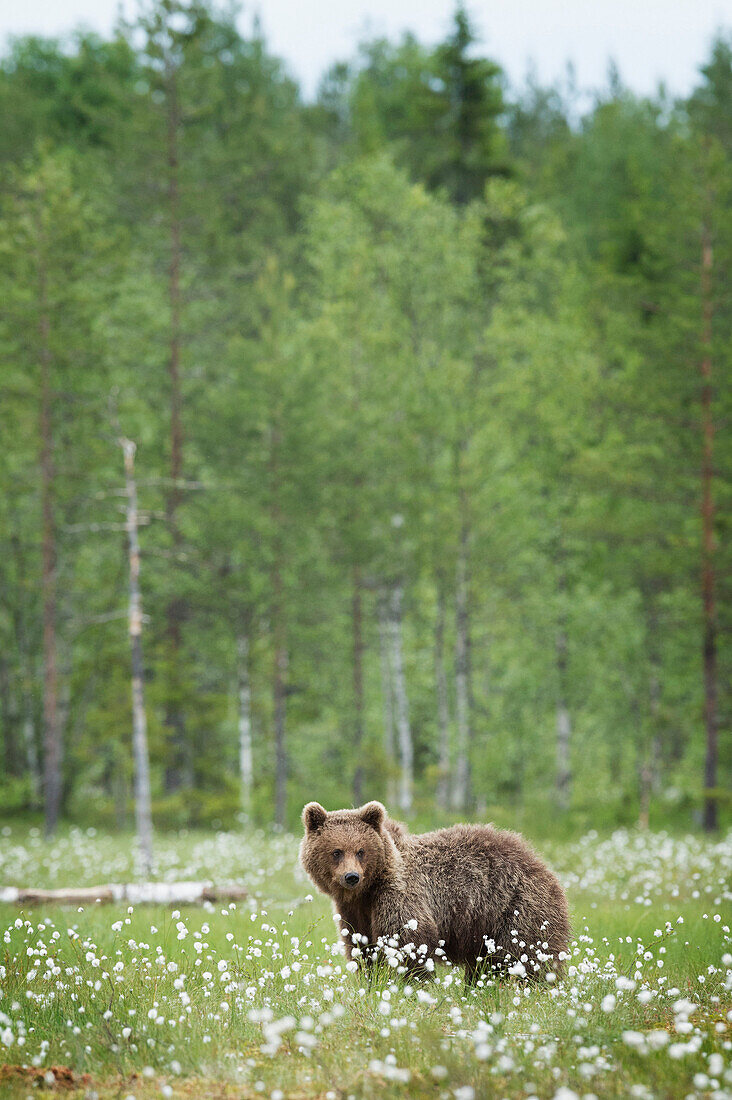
55,243
437,110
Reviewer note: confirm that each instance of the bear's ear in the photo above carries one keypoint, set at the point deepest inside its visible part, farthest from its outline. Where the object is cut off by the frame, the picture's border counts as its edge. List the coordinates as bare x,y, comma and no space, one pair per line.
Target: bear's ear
313,816
373,813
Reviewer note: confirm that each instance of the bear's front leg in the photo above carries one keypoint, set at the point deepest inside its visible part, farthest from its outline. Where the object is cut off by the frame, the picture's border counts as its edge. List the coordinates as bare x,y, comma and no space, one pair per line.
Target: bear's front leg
404,935
355,929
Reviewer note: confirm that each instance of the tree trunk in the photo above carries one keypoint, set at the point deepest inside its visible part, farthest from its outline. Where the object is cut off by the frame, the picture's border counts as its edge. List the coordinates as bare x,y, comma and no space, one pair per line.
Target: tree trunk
30,746
462,785
31,752
176,425
137,893
26,671
246,763
387,697
654,706
279,698
118,784
650,768
644,811
709,648
401,701
357,621
279,631
53,752
564,725
179,772
9,719
443,712
143,810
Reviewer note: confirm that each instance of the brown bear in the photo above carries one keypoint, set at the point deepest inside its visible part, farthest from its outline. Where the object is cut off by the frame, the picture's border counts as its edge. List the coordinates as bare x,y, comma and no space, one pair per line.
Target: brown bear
472,894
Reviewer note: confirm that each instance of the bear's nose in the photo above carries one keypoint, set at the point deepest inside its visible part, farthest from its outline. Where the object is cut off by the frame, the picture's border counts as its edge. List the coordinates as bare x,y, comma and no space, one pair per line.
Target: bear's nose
352,878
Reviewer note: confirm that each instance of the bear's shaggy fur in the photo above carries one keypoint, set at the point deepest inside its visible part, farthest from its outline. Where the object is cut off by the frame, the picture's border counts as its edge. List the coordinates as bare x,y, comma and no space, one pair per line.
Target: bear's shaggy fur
480,896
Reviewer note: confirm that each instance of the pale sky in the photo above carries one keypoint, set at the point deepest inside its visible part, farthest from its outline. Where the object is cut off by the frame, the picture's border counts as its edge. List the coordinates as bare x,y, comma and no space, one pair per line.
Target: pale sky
651,40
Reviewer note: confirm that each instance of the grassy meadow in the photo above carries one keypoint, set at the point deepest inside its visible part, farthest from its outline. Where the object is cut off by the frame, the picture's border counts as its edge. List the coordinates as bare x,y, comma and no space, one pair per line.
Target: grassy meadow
255,999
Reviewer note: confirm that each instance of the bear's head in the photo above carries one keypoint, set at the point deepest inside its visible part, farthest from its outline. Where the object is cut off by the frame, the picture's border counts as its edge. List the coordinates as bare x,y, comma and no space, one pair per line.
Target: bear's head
346,851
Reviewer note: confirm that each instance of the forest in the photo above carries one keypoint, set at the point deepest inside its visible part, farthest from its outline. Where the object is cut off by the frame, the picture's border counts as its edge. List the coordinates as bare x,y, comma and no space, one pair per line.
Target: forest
371,445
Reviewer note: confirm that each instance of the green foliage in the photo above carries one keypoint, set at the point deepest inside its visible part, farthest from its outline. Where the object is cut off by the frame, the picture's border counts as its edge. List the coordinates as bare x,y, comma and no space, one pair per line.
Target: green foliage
400,363
437,110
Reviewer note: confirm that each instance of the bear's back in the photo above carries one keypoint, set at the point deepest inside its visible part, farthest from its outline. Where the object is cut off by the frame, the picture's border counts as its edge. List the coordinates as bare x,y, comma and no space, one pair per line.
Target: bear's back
481,879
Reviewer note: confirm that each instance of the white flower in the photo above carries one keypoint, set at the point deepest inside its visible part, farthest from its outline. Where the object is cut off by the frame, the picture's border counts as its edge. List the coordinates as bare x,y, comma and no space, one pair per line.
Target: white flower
657,1039
716,1064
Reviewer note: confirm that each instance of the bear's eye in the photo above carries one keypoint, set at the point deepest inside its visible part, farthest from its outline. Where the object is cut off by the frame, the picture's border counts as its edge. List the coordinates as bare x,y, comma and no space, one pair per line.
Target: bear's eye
360,853
337,853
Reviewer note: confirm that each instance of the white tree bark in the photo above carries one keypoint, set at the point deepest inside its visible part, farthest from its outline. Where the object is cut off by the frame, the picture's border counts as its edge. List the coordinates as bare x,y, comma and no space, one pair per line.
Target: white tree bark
650,767
443,711
387,698
461,786
246,763
31,753
138,893
401,701
143,810
649,776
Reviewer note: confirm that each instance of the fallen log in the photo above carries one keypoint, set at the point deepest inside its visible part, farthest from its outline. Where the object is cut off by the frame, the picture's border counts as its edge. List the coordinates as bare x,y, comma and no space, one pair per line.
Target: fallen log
136,893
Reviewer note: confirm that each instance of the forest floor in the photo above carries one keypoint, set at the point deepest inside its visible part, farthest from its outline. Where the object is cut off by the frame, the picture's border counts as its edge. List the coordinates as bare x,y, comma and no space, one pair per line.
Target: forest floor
255,999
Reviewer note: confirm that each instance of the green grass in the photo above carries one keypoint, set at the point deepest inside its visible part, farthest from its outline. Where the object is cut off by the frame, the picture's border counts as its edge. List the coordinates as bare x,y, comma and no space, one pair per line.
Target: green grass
297,1023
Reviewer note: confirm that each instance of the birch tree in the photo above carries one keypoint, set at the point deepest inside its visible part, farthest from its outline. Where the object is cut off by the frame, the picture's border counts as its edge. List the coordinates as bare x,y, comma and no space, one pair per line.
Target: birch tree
246,760
143,803
52,732
401,700
463,744
169,28
387,696
443,708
